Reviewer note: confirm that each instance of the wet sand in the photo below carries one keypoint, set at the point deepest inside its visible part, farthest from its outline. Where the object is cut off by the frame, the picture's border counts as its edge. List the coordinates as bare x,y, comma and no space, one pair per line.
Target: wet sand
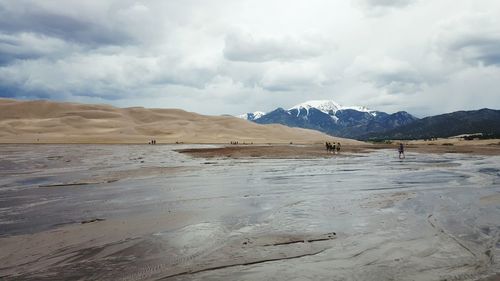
318,151
131,212
272,151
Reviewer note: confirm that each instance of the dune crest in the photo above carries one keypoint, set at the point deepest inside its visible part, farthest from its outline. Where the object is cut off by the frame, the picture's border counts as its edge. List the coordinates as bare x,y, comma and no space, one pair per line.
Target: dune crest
57,122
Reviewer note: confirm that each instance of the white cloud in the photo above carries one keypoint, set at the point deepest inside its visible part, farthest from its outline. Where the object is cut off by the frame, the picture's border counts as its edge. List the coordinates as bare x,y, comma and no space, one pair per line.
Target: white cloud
247,48
287,77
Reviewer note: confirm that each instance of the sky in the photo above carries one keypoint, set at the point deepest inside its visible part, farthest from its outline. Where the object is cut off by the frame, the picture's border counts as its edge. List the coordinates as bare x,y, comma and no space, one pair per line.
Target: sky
230,57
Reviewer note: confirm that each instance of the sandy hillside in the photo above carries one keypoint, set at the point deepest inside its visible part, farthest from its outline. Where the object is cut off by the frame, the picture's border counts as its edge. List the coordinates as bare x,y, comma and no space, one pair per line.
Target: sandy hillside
55,122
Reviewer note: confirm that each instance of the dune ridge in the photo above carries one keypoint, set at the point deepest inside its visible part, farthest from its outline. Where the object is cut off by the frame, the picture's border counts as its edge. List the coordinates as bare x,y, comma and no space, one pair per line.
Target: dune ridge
43,121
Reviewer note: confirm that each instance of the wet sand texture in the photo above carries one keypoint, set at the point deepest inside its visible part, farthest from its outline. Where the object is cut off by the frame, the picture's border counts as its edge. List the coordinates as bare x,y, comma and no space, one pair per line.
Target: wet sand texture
53,122
318,151
151,213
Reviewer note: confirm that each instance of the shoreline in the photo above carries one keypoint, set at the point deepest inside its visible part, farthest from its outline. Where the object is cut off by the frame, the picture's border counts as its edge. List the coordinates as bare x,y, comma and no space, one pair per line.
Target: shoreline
307,150
318,151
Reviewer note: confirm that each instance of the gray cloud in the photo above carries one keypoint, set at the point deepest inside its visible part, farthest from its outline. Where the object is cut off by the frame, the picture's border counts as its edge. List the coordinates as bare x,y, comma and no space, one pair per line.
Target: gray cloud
70,25
380,7
26,46
485,50
472,38
22,86
384,3
394,76
119,76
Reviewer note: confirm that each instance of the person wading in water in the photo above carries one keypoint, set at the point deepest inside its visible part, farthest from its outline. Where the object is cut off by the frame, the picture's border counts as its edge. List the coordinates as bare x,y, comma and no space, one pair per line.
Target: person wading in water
401,151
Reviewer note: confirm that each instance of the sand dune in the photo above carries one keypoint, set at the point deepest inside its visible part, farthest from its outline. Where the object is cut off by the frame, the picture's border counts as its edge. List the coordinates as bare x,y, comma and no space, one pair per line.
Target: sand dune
56,122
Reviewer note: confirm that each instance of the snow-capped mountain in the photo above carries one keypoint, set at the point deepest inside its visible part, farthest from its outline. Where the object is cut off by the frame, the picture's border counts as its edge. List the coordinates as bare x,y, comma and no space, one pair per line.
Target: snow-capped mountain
252,115
332,118
329,107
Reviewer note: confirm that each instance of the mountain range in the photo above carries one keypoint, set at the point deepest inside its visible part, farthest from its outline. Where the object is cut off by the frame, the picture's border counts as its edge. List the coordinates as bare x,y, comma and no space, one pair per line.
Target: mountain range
484,122
361,123
334,119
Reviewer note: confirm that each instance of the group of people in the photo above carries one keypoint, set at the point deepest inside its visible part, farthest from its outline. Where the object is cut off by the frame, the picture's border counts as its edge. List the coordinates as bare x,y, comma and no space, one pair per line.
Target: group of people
333,147
152,142
237,142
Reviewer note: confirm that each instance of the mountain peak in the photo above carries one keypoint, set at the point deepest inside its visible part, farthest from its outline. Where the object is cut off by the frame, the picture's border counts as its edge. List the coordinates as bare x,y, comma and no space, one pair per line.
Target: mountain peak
323,105
328,106
252,115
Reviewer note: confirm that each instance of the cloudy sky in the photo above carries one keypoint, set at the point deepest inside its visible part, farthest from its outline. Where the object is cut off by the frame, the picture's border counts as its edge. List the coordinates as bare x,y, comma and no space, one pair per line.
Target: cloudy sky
230,57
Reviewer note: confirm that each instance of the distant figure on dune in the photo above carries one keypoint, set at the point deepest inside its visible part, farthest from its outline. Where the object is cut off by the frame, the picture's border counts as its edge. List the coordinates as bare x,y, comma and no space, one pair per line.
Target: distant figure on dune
401,151
338,147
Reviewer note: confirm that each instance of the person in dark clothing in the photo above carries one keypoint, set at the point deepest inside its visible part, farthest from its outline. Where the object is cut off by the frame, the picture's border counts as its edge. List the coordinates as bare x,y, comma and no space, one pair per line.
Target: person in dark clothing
401,151
328,146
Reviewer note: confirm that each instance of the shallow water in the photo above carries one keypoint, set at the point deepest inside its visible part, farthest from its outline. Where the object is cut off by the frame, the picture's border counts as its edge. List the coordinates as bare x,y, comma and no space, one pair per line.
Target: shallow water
421,218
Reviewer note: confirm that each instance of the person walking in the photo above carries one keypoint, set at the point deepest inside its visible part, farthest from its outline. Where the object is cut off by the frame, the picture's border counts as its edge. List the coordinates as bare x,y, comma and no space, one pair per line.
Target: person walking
401,151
